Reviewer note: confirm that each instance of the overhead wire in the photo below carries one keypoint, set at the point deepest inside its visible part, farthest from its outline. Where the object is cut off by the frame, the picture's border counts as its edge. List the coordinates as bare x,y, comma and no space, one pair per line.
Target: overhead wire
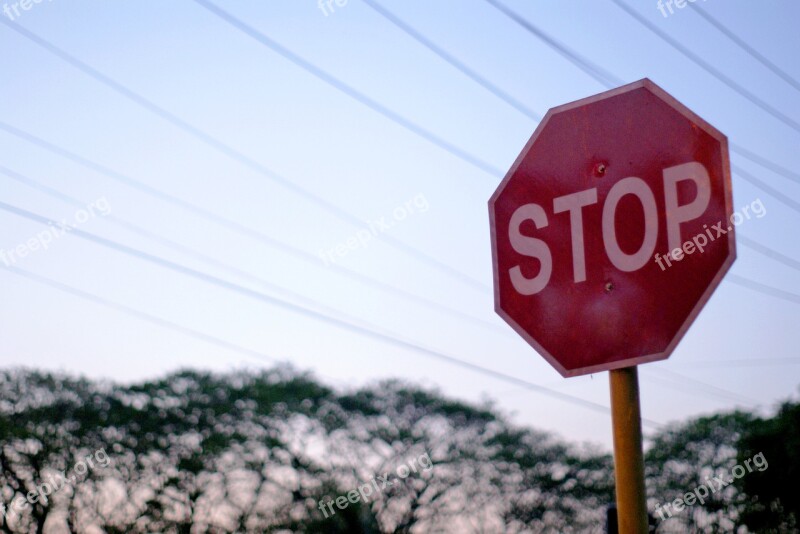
702,388
453,61
609,80
187,251
763,288
595,71
741,43
754,362
601,75
175,246
769,252
201,336
761,184
467,71
379,335
348,90
236,155
764,162
240,229
708,67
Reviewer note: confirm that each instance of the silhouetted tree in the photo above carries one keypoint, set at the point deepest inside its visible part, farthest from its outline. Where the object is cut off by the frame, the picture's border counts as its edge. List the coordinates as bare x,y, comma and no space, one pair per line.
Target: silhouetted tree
272,451
260,452
773,503
685,456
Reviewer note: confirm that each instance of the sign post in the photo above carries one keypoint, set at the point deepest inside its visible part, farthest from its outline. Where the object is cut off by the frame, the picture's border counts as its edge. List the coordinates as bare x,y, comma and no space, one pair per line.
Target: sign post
609,234
628,457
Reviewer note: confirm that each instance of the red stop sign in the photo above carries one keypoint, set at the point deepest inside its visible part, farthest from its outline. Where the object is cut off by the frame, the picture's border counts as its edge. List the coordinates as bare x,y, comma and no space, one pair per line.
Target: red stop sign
612,229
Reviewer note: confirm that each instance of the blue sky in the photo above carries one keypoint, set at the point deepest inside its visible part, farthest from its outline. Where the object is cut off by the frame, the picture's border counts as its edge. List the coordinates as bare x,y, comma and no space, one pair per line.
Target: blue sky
191,63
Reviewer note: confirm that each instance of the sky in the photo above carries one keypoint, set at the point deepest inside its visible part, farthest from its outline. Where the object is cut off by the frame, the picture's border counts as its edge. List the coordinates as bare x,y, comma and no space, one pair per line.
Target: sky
173,129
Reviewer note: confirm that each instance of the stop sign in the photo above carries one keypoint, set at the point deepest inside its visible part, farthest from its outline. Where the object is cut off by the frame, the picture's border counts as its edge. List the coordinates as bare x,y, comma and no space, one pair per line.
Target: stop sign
612,229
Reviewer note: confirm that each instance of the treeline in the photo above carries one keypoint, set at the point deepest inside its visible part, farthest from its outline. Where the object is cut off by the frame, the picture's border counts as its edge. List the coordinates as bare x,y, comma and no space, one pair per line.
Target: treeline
277,451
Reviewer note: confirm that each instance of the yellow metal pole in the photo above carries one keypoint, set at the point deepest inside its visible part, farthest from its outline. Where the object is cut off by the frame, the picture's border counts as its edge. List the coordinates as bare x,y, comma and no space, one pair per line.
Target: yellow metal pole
628,456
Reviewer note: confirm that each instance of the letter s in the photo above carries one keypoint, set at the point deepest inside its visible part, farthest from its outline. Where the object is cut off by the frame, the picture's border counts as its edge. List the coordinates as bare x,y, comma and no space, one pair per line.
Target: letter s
529,246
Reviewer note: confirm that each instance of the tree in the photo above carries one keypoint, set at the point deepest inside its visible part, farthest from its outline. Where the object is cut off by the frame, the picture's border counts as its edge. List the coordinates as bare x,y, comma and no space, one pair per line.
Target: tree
276,451
245,452
683,457
773,503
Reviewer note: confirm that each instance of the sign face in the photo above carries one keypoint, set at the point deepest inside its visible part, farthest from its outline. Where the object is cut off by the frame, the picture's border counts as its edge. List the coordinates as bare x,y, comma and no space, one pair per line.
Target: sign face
612,229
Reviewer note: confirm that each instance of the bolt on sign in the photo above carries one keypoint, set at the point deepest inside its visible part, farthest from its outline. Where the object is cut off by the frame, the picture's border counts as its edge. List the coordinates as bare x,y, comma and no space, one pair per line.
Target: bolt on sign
607,191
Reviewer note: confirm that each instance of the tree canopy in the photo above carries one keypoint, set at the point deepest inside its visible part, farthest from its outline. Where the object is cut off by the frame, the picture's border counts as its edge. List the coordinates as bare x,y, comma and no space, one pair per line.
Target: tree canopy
277,451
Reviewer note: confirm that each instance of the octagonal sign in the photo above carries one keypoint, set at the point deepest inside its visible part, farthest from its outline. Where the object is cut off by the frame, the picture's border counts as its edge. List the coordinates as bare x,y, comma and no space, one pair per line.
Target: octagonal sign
612,229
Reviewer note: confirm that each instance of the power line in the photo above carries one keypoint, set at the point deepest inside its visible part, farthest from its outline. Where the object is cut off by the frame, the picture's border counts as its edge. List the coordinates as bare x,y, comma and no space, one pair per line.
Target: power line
768,252
603,77
140,315
386,337
762,362
239,228
680,382
234,154
349,90
173,245
201,336
449,58
704,388
609,80
781,197
594,70
600,75
708,67
416,35
741,43
599,72
762,288
764,162
213,340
